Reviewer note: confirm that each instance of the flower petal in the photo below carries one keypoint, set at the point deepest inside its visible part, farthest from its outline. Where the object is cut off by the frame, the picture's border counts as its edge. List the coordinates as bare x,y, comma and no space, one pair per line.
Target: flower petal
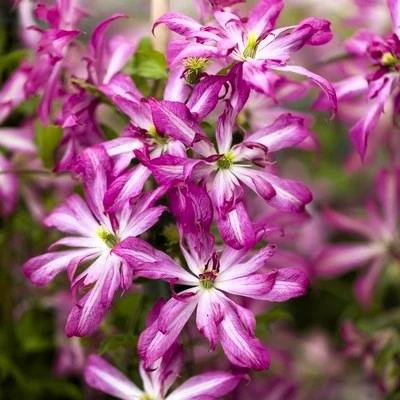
100,375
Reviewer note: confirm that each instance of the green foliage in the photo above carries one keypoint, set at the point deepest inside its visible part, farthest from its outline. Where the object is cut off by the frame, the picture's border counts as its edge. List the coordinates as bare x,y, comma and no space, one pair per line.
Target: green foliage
47,140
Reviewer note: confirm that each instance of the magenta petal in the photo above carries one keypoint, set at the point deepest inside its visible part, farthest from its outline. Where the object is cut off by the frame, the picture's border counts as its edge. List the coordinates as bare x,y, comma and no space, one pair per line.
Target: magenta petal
125,187
154,343
148,262
209,316
289,283
241,347
94,165
175,119
318,80
210,385
365,285
340,258
205,96
263,16
100,375
360,132
87,314
394,8
179,23
42,269
285,132
236,229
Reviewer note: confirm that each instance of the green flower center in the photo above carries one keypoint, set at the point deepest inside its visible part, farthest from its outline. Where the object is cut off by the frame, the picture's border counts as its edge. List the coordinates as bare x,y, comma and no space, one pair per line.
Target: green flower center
251,47
146,397
194,67
108,238
207,279
156,137
226,161
389,60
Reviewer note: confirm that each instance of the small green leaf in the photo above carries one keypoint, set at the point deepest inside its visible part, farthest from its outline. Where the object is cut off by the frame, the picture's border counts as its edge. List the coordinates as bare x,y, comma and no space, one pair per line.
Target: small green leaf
47,140
10,61
151,64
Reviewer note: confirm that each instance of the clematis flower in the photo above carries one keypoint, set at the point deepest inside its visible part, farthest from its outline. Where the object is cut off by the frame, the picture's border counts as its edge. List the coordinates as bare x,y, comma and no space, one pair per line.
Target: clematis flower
253,43
212,274
379,87
158,381
93,233
227,167
380,231
157,128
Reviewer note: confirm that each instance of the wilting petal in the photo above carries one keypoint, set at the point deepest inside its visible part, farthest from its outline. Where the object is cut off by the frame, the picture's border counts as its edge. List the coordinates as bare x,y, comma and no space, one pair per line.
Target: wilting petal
100,375
87,314
210,385
286,131
148,262
263,16
236,229
340,258
154,342
42,269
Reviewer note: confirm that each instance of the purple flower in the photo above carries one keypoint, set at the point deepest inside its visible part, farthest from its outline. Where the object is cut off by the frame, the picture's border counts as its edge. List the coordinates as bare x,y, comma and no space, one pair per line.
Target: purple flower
93,234
158,380
254,43
212,274
379,228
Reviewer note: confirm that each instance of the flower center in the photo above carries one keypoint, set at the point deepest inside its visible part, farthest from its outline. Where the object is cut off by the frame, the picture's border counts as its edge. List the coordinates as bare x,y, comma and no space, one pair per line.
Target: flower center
156,137
146,397
226,161
251,47
210,272
108,238
389,60
194,68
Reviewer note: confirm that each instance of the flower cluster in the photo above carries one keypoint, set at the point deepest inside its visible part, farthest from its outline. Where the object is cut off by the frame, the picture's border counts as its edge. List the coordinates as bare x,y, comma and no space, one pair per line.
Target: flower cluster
179,157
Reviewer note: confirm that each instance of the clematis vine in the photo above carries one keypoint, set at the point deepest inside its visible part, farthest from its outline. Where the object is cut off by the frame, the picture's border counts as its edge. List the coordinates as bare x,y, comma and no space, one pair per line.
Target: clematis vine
93,233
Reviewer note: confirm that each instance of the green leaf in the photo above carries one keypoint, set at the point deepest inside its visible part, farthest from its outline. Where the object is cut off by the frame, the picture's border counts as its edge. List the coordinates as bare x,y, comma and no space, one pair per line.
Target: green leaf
47,140
10,61
150,64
